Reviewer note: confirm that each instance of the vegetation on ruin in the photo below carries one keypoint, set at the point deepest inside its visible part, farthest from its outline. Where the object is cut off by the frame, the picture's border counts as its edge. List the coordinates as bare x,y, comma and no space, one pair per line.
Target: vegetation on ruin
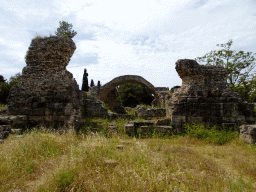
201,159
65,30
5,87
133,94
239,66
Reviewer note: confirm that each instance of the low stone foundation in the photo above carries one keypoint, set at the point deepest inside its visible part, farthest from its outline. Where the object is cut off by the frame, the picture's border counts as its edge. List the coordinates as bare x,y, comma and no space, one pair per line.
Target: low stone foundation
131,127
152,112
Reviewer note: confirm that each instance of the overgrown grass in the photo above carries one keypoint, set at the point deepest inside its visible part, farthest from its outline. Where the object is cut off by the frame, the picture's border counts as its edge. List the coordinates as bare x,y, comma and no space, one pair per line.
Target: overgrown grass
48,161
1,106
40,37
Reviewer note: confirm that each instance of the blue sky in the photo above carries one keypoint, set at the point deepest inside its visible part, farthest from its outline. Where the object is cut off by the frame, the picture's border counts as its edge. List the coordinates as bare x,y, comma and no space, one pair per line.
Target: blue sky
135,37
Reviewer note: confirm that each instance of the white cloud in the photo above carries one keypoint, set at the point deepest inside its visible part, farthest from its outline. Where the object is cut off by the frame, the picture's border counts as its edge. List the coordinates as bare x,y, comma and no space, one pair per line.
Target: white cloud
143,38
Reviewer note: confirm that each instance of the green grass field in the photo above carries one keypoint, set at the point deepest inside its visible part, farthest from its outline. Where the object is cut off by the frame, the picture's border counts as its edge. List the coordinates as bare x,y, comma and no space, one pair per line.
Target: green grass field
203,159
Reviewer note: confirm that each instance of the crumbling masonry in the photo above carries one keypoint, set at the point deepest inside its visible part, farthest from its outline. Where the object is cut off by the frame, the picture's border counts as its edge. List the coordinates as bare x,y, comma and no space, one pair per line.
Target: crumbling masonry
204,97
47,91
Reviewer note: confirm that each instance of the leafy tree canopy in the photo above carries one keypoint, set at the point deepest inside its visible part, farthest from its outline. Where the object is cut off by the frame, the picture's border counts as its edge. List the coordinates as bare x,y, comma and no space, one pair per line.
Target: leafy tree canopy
239,66
6,86
132,94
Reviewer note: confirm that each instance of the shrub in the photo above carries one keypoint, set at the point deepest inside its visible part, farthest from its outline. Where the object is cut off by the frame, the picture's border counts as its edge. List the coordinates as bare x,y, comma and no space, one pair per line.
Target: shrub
65,30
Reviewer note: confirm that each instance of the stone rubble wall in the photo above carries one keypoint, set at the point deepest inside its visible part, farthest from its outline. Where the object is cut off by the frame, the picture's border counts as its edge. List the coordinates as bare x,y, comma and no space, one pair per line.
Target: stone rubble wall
47,91
204,97
92,106
163,97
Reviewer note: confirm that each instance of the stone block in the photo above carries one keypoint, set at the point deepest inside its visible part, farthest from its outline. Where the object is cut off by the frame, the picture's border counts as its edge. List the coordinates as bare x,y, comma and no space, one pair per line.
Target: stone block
26,111
59,112
48,112
48,118
35,118
59,118
177,120
196,119
248,133
240,118
129,128
164,129
18,118
164,121
217,106
144,130
37,112
228,119
217,113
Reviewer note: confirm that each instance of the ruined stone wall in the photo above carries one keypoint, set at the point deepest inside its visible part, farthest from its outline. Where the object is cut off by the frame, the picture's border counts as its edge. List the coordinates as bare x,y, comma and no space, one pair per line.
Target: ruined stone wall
162,100
205,97
152,112
111,99
108,95
47,90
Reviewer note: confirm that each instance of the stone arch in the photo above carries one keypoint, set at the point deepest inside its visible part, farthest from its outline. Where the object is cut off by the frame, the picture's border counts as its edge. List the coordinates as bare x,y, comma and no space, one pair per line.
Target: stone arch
107,94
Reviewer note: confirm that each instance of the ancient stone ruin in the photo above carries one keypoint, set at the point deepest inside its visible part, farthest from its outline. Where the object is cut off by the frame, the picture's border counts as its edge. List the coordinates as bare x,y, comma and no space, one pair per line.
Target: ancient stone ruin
204,97
107,93
47,92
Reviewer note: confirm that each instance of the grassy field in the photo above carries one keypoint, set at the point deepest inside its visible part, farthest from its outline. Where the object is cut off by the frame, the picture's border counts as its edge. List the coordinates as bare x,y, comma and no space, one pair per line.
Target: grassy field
203,159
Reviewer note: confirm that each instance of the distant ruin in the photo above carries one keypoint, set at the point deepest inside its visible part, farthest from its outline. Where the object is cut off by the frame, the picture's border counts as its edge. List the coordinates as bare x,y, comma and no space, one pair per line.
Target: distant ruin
47,91
108,94
204,97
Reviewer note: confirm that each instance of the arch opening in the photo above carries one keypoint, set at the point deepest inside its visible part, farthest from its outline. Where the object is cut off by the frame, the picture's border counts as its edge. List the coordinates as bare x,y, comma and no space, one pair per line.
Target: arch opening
108,94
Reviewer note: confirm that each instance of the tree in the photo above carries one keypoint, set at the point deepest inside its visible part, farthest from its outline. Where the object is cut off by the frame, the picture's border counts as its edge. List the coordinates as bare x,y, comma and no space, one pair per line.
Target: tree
92,83
2,79
98,84
65,30
239,77
132,94
5,87
85,86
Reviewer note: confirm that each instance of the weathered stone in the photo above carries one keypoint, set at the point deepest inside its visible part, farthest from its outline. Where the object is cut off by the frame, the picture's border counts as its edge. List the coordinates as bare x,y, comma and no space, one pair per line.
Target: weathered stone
126,142
128,108
120,146
107,93
160,129
248,133
4,110
152,112
95,109
112,128
17,131
205,97
46,87
163,121
4,131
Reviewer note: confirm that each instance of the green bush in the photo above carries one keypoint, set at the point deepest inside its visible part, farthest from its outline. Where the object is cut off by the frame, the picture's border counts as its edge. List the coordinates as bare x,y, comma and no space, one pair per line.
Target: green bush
217,135
65,178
